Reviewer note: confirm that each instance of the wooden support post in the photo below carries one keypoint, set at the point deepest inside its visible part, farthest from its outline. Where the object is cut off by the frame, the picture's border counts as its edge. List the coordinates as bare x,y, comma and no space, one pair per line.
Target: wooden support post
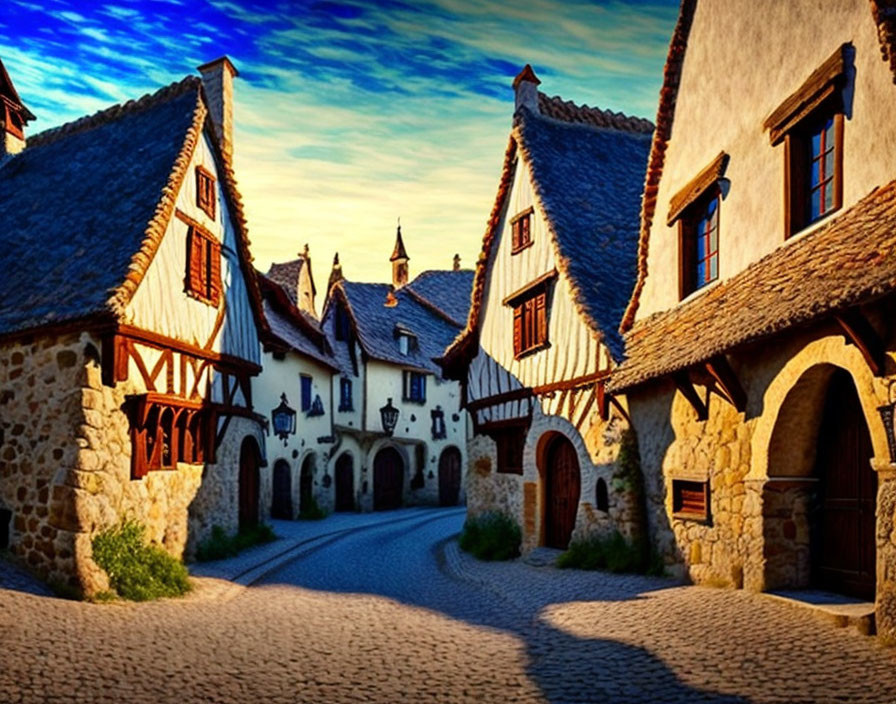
727,382
684,385
859,332
603,401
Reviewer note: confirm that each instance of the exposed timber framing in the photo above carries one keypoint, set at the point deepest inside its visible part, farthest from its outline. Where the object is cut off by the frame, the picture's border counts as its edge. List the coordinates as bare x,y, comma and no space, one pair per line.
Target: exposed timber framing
859,332
727,382
686,387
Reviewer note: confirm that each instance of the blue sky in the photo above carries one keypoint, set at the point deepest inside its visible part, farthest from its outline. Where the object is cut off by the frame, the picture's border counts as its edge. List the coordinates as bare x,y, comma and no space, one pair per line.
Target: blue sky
348,114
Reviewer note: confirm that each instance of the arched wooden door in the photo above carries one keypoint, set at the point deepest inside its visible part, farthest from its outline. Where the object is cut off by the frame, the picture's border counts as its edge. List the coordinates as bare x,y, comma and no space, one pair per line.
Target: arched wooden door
281,502
345,483
306,483
388,479
449,476
562,486
250,459
843,525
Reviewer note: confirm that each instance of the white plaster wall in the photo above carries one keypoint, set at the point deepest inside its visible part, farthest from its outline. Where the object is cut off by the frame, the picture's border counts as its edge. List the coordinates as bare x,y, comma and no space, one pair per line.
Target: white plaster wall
744,58
160,303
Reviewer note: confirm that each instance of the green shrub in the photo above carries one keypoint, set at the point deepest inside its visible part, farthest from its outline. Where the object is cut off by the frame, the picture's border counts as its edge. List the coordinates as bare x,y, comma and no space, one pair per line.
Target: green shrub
491,536
312,512
613,553
138,571
220,544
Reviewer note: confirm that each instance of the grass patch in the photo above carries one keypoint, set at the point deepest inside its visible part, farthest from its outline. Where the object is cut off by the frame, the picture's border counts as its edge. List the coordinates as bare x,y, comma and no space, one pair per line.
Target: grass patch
613,553
491,536
138,571
221,545
312,512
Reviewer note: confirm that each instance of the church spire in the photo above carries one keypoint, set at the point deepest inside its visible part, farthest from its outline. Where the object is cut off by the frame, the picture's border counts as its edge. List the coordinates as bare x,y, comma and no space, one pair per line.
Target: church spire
399,260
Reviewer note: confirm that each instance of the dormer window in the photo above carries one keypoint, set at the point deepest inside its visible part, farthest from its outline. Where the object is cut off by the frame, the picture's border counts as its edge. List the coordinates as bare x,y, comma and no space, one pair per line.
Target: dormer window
203,279
696,208
205,191
521,231
407,341
810,124
341,324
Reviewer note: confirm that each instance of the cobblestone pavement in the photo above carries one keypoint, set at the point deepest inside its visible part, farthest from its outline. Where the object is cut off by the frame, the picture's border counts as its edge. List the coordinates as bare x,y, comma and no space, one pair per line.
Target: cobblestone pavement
392,613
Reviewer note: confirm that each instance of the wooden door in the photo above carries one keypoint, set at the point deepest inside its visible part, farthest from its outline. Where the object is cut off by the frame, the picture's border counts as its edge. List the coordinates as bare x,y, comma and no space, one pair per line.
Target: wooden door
306,480
281,502
843,517
345,483
561,493
449,476
388,479
248,484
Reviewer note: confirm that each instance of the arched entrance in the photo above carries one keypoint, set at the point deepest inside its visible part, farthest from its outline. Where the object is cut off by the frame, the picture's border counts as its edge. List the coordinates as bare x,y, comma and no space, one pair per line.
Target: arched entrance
562,489
449,476
345,483
306,482
388,479
281,502
250,460
842,519
818,504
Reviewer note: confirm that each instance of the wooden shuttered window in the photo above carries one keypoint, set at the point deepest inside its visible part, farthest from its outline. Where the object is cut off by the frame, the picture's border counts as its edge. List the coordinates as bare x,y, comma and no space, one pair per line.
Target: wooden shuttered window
521,231
203,279
205,191
509,445
690,499
530,323
165,431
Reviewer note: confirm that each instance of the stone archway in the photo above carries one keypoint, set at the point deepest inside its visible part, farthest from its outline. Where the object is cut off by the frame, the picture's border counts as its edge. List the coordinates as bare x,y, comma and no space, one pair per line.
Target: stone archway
249,481
818,501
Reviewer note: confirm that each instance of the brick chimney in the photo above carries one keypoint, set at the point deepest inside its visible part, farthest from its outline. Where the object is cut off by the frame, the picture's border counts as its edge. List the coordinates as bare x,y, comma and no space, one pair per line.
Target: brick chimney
525,88
217,82
13,117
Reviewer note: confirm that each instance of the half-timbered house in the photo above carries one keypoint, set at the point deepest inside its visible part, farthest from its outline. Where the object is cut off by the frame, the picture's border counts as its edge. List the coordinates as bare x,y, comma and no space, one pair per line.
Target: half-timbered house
400,434
129,322
557,263
759,337
296,386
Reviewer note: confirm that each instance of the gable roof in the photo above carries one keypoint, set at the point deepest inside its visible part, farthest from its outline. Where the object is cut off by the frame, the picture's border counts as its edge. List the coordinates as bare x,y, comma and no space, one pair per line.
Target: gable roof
286,275
447,291
849,260
85,206
377,324
883,13
587,169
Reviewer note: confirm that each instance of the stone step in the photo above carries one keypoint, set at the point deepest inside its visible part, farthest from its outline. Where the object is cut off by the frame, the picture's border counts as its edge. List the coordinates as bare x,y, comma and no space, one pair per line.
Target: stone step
840,610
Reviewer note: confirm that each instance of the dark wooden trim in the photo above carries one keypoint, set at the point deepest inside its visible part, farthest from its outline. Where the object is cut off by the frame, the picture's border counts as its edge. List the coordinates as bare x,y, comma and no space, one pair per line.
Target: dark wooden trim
190,222
615,402
508,423
859,332
574,383
789,225
96,322
504,397
532,350
523,213
591,399
603,401
727,381
838,161
529,287
154,339
824,83
524,246
697,186
686,387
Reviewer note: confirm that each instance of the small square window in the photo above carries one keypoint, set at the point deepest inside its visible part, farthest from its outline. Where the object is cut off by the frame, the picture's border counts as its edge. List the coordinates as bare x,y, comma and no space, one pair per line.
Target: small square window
690,500
521,231
510,443
414,387
205,191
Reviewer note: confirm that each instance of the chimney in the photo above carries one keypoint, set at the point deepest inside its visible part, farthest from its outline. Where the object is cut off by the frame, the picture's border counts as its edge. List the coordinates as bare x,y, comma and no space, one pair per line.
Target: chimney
525,89
399,261
13,117
456,262
217,82
305,289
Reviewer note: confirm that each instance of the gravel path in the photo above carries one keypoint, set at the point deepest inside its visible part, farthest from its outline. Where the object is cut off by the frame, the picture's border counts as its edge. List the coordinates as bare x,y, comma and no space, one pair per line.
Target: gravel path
394,612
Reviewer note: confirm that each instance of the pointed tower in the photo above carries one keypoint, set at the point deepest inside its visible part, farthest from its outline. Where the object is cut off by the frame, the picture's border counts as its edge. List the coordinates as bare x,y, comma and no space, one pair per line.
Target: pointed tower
307,291
399,261
525,89
13,116
335,274
456,265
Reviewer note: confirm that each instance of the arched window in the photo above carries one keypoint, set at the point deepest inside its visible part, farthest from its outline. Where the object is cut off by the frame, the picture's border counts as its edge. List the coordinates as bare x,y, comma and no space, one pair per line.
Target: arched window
602,498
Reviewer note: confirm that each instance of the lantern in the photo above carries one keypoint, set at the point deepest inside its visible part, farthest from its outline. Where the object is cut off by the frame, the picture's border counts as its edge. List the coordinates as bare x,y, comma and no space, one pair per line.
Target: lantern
389,414
284,419
888,414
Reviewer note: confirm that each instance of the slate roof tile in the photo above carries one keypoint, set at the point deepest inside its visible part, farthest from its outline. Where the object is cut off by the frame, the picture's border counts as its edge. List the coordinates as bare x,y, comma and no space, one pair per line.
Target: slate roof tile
447,290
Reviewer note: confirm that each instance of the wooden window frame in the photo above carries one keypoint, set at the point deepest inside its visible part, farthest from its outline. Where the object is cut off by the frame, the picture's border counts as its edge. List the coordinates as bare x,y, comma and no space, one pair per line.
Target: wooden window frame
510,444
688,222
186,437
407,387
346,403
203,277
205,191
691,499
521,231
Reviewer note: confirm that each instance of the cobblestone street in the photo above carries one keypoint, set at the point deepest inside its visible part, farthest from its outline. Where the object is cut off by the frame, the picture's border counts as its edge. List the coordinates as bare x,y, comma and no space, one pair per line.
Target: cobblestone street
392,613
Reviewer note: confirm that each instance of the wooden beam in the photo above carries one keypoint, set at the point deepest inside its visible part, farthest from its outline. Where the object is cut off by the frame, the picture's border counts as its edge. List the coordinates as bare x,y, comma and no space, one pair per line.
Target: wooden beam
603,401
684,385
859,332
727,382
618,405
567,384
505,397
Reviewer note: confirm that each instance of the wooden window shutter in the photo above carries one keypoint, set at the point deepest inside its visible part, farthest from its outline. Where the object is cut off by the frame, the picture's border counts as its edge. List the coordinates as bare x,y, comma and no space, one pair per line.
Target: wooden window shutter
515,235
525,236
195,262
541,318
214,268
518,329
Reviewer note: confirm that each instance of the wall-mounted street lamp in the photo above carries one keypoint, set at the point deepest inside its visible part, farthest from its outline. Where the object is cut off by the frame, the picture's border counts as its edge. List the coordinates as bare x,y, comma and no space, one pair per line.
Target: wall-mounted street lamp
389,415
284,419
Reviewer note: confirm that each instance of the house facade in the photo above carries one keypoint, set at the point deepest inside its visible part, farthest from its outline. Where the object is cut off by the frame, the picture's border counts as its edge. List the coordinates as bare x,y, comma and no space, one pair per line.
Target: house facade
400,434
552,282
129,324
758,337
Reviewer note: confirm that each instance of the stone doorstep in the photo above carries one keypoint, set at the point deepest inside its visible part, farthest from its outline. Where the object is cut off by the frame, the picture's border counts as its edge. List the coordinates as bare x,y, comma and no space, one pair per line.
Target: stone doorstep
840,610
